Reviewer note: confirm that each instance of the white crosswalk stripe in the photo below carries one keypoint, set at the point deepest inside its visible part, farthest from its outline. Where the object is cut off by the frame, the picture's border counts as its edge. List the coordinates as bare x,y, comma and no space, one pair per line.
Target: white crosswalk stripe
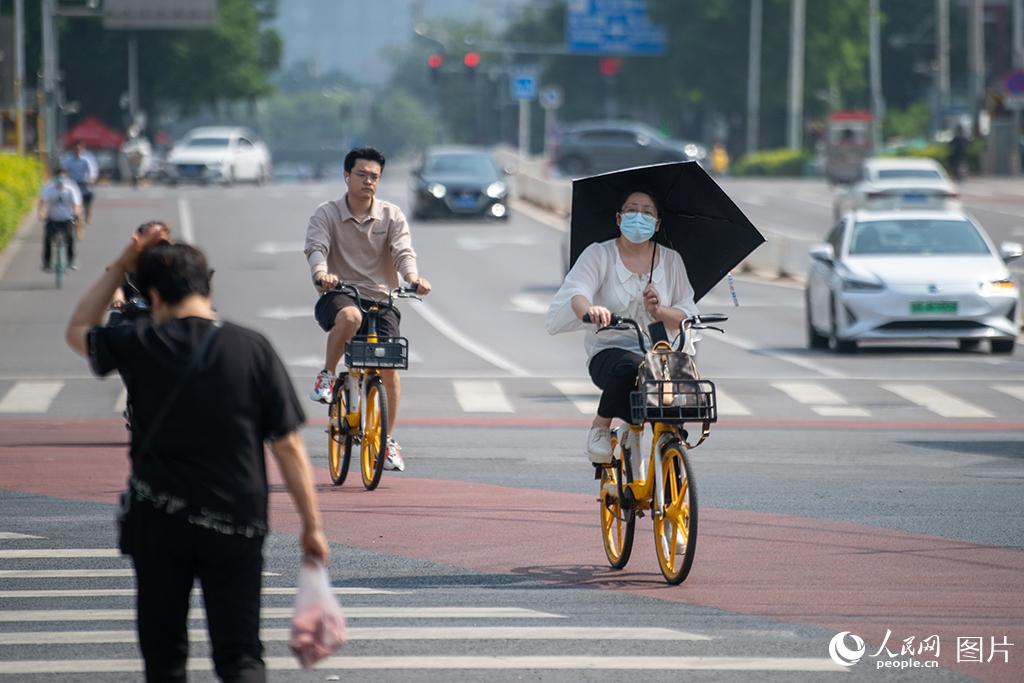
727,405
936,400
81,650
584,395
1015,390
30,397
820,399
483,396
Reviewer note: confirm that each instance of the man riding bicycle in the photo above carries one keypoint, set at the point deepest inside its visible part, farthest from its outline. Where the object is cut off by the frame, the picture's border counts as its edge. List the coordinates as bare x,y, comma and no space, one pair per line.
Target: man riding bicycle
59,206
363,241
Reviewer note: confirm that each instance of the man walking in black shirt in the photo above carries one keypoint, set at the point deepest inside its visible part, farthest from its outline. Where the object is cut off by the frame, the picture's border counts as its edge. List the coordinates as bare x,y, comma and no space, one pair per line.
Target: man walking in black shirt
206,396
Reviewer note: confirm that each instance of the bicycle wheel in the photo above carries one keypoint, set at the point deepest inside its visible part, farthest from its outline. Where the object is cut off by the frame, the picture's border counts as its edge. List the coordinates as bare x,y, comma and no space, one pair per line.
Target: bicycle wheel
60,259
374,442
339,436
617,525
675,531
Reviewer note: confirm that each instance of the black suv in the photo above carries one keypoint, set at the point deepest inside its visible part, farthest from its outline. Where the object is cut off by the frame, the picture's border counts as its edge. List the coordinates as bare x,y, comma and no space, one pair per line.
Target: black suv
600,146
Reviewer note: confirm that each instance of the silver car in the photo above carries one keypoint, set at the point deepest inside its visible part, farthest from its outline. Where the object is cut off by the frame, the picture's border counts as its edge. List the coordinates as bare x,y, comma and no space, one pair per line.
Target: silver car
900,183
912,275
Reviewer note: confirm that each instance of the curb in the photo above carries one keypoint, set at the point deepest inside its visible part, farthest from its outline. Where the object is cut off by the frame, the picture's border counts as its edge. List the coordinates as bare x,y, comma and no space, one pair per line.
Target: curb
17,240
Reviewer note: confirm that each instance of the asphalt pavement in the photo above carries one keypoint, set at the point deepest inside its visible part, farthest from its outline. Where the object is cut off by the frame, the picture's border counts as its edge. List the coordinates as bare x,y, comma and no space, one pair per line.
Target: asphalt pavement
871,493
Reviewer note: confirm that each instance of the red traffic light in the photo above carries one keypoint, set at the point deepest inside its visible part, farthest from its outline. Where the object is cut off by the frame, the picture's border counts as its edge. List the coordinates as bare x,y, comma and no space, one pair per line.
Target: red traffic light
610,66
471,60
435,61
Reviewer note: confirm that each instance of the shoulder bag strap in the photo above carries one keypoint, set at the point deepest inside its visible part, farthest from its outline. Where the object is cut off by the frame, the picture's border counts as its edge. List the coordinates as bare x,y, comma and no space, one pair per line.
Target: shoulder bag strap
193,365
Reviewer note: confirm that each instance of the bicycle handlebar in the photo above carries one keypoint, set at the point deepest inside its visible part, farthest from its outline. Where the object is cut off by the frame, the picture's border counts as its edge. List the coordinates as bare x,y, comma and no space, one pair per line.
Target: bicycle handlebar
400,292
694,322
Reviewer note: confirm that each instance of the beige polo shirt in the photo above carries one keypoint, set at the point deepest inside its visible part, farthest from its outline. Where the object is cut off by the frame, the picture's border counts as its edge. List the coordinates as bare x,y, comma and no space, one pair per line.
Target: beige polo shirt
369,253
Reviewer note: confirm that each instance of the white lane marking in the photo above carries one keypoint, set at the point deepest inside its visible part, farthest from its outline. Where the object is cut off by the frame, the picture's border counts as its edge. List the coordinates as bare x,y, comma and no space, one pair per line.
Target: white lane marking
436,321
482,397
740,343
483,663
727,405
75,573
197,614
12,536
584,395
386,633
936,400
49,553
30,397
482,242
121,403
188,233
820,399
525,303
1015,390
122,592
279,248
287,312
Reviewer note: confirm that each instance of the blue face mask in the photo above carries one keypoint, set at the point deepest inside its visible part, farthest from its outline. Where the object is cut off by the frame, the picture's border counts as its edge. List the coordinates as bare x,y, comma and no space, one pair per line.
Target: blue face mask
637,227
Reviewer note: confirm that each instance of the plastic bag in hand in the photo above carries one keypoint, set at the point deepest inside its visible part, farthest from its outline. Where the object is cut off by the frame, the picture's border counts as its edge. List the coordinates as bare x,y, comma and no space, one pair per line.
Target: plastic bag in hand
318,625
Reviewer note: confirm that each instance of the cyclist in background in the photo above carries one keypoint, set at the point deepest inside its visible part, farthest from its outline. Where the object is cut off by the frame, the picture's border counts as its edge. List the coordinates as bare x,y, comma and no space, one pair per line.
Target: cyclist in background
82,167
59,206
361,240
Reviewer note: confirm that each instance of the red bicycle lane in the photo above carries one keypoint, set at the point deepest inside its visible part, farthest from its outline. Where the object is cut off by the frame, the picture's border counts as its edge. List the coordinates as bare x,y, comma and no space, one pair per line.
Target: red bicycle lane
835,575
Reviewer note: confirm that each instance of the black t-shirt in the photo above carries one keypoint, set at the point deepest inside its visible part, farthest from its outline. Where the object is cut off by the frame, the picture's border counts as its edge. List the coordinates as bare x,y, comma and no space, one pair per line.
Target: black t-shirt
208,449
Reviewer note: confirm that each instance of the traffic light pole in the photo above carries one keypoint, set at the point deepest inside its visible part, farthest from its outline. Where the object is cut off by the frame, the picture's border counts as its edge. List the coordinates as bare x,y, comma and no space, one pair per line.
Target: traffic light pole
524,128
19,76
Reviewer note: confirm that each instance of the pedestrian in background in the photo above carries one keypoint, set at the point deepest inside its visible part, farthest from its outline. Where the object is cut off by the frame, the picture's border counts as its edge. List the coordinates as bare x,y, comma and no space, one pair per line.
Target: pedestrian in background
958,153
207,395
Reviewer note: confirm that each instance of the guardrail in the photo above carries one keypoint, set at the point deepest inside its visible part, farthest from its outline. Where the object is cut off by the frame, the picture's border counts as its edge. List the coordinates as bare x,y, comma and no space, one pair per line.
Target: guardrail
779,256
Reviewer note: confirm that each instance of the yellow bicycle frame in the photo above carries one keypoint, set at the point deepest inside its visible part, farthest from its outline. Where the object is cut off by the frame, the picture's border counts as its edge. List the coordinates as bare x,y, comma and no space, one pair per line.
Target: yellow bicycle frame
360,374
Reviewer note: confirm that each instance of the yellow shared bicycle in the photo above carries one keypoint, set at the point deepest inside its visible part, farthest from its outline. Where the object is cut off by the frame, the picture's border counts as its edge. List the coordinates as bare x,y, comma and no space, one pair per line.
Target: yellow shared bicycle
358,413
669,393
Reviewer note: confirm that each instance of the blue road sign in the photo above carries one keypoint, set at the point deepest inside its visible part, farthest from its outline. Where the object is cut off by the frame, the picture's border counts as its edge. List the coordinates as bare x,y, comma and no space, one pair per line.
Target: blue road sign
622,27
1015,82
524,85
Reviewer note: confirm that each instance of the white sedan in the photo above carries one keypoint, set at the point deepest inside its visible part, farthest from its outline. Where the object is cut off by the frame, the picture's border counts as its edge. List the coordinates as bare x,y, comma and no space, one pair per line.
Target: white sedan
218,154
904,275
888,184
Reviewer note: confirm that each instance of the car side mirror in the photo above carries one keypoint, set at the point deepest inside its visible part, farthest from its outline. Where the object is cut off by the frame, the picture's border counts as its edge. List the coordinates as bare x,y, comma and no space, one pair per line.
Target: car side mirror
1010,251
823,253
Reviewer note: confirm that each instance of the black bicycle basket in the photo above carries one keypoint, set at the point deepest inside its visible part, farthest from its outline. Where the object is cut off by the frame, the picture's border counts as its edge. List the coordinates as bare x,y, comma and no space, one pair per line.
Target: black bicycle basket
674,400
386,352
669,389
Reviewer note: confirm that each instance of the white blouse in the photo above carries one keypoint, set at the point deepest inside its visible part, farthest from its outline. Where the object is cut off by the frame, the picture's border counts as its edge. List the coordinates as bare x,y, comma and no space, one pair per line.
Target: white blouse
600,275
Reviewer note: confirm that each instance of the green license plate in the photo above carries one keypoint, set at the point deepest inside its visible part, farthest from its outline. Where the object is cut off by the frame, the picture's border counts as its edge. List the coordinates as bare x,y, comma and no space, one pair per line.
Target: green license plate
933,307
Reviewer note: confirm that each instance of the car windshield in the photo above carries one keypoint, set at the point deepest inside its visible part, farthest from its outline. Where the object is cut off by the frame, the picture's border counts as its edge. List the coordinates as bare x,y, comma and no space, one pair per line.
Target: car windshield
461,164
209,142
912,173
917,237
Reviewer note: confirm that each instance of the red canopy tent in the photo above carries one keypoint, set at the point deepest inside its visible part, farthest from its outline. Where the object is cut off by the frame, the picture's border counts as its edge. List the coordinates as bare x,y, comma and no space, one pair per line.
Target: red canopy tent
94,134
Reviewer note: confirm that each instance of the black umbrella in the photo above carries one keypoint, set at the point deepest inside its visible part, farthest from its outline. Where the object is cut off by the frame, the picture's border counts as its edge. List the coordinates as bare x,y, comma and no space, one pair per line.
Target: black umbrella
697,218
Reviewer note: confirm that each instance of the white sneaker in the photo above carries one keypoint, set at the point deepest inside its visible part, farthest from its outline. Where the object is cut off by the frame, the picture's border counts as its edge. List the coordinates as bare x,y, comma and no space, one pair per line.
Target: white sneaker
323,388
599,445
393,458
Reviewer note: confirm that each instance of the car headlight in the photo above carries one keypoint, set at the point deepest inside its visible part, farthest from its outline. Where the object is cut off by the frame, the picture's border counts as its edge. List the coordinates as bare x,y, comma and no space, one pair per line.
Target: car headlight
693,151
437,189
495,189
855,285
1005,286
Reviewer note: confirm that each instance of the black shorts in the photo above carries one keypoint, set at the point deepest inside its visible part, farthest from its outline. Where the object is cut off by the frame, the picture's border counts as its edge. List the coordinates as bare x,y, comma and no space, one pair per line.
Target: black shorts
328,305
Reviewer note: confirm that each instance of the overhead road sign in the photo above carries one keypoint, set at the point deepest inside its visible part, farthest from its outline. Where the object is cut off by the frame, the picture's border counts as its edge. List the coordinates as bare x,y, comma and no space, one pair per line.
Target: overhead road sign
622,27
159,14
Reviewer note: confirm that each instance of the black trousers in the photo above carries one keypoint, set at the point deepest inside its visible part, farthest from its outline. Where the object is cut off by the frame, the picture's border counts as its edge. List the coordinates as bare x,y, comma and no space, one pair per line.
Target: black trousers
69,239
614,371
169,554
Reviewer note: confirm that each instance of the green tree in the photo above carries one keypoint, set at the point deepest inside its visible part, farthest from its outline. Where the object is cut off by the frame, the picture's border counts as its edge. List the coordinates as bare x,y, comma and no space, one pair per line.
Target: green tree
178,70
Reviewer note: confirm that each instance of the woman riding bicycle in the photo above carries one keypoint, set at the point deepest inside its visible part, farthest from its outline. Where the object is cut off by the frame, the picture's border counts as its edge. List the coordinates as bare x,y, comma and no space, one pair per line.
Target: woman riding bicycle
632,277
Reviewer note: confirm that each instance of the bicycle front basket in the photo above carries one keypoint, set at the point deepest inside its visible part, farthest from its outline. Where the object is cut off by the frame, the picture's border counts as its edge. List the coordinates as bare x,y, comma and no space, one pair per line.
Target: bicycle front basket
678,400
386,352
